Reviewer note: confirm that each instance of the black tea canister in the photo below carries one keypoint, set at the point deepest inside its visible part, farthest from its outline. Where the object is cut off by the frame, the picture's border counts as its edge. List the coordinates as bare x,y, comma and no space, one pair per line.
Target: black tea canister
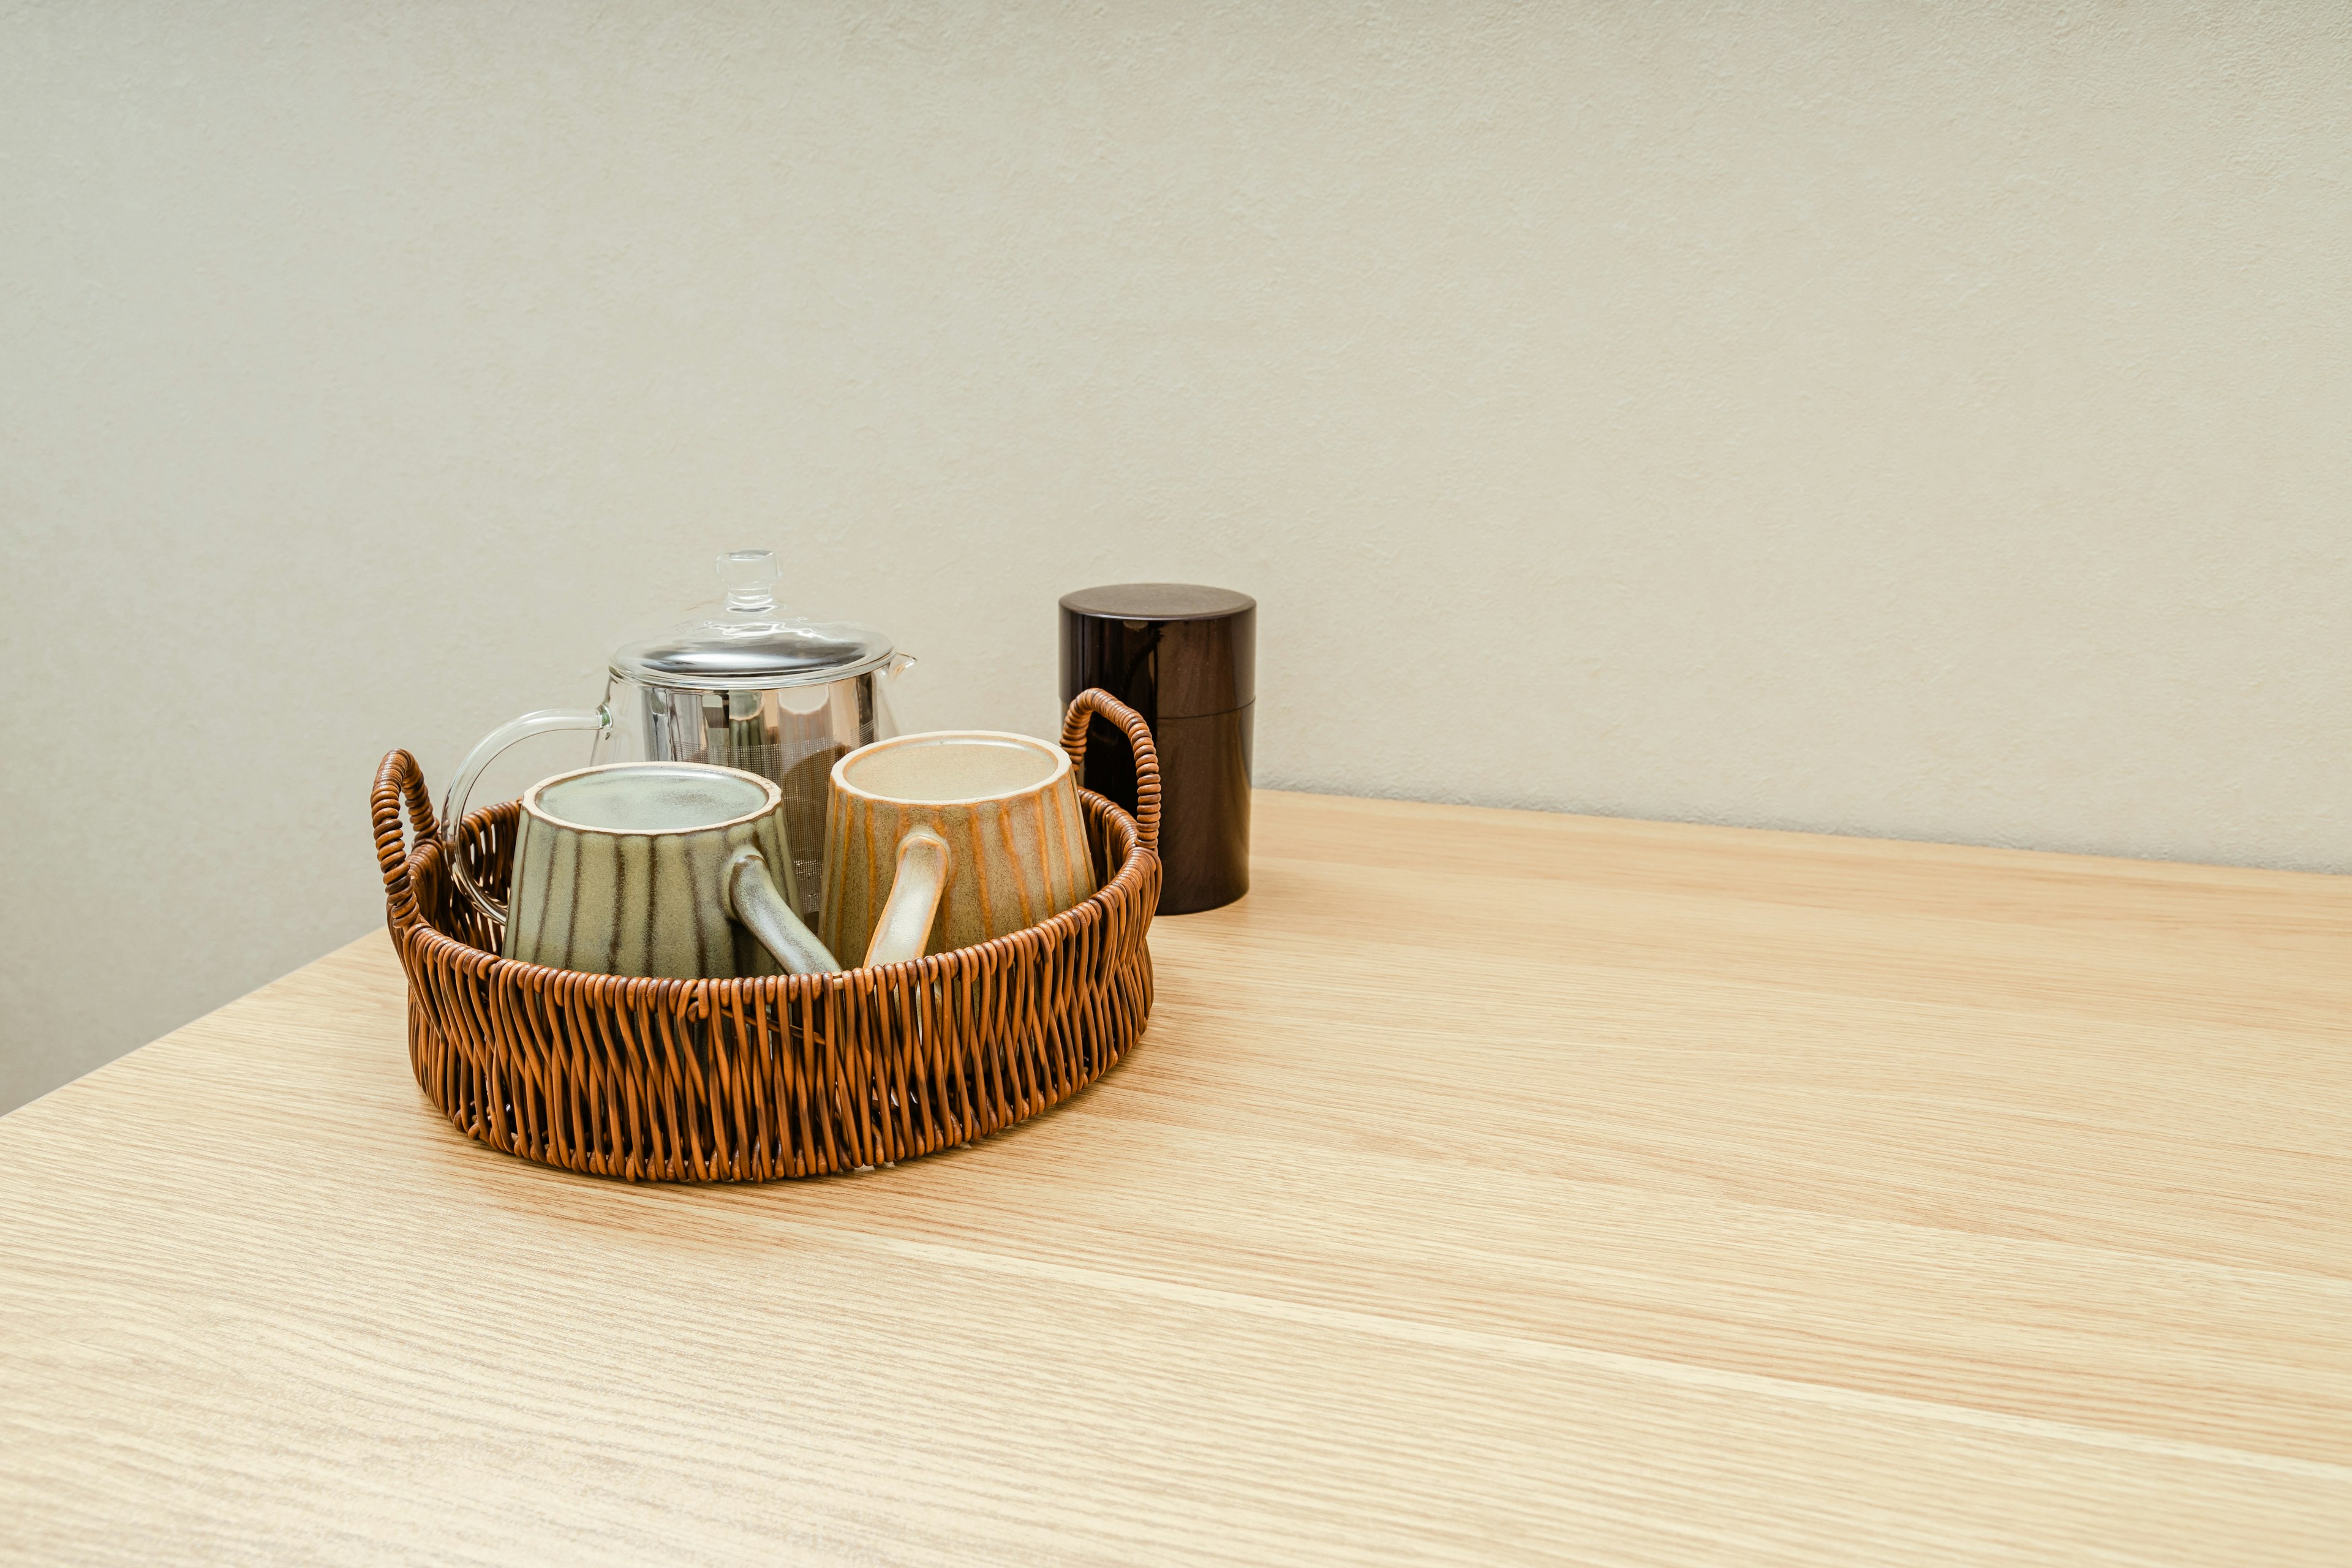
1185,658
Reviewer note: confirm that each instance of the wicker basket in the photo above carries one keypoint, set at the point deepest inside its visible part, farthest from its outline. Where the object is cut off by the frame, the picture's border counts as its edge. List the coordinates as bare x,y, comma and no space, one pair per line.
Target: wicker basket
744,1080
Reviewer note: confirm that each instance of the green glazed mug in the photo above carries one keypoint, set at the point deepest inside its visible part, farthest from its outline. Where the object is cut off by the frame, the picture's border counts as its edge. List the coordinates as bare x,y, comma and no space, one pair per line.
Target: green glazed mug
678,871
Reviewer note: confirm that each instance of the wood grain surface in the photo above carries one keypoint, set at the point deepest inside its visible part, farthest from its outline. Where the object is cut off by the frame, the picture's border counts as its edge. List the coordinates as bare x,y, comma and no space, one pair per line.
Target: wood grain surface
1490,1187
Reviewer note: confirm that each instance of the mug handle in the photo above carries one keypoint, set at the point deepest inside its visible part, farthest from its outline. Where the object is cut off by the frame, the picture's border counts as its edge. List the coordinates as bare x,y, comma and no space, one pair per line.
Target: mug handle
751,898
453,805
904,927
1094,701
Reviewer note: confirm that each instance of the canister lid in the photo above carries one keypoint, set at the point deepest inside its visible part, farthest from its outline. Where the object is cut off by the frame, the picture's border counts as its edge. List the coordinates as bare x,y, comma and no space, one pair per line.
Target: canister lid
1156,602
746,643
1170,650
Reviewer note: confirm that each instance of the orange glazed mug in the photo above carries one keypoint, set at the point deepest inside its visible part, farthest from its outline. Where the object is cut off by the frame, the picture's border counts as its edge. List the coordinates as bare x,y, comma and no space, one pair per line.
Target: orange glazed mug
944,840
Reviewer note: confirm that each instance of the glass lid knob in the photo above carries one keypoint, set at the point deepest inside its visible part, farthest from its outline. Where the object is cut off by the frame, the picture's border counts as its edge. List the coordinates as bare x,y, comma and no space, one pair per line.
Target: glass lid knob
746,642
750,577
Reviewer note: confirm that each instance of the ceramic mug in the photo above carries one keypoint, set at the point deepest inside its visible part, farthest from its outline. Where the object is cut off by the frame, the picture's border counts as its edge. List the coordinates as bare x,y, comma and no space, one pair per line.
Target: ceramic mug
944,840
673,869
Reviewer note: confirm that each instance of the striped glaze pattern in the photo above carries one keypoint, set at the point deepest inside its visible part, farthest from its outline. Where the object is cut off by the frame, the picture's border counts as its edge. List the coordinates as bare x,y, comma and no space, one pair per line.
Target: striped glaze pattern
757,1078
636,903
1012,860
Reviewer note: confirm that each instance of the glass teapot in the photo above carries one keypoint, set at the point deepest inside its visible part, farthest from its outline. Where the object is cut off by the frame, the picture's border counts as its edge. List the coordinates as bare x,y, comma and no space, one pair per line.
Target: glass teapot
743,685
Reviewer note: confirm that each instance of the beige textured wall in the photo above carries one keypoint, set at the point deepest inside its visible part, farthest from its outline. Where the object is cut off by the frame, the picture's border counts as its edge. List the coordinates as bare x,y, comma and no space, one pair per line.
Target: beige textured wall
1925,420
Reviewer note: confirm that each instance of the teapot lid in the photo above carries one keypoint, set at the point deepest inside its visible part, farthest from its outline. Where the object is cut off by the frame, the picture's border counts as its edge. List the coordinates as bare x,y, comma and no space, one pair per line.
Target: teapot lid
747,642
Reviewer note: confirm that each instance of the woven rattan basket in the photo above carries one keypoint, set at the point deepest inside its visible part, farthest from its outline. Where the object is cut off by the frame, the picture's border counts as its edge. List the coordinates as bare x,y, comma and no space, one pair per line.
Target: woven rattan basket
744,1080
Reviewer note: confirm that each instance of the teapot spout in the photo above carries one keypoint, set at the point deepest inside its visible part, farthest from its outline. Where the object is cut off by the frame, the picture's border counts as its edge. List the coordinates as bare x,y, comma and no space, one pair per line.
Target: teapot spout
899,664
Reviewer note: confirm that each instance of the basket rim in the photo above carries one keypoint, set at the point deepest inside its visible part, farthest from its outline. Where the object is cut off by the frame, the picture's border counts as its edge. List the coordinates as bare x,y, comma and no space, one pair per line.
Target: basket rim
1047,934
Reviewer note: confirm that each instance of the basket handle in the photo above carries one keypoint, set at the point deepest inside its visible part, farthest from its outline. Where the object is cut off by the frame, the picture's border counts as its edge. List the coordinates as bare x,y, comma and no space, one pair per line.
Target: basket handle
398,782
1094,699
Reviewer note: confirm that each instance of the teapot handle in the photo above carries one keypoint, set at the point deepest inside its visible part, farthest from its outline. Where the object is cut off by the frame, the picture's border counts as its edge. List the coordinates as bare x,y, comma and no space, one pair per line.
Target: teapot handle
453,805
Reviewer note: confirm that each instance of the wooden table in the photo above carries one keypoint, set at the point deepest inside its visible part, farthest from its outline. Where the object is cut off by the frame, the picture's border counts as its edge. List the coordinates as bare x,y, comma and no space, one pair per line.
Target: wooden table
1489,1187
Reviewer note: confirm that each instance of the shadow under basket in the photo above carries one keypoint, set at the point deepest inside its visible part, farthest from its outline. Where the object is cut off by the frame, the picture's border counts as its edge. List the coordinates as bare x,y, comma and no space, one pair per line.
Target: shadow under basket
749,1079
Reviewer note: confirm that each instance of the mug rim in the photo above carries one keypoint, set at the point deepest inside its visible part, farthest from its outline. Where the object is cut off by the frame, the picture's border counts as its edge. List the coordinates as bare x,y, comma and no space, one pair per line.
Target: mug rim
1061,769
531,806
